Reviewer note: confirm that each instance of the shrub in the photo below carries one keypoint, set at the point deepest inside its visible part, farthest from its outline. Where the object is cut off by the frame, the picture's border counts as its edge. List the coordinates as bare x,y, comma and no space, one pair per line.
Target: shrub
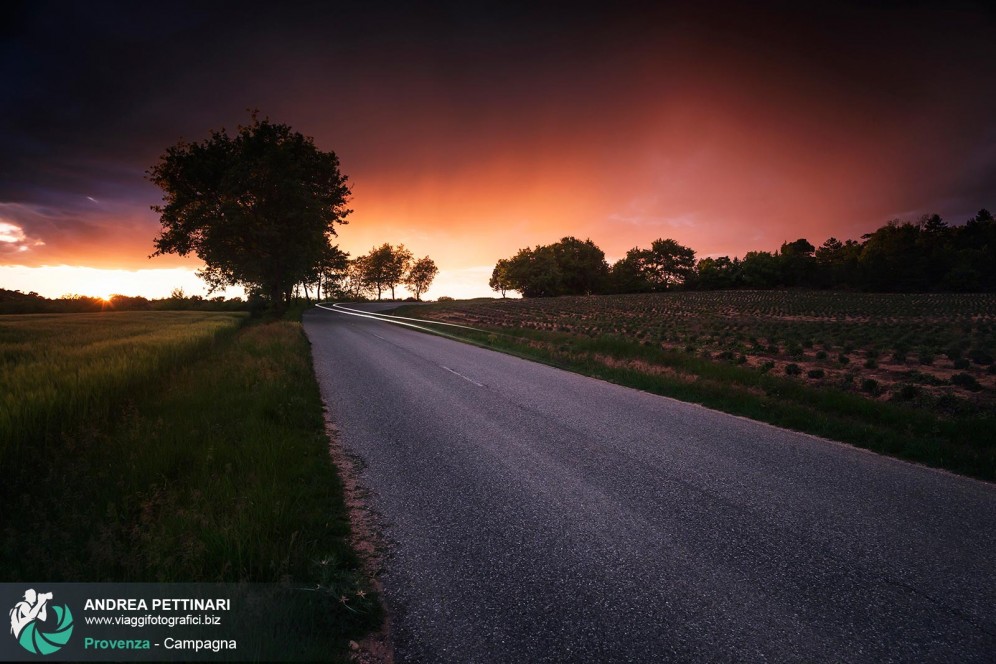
767,366
870,363
821,355
925,357
967,381
907,392
792,369
869,385
816,373
980,357
899,357
961,363
925,378
843,359
949,404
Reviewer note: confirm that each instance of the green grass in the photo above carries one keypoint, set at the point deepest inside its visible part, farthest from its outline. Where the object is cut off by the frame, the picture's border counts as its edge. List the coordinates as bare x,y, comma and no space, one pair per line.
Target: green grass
59,369
218,472
774,357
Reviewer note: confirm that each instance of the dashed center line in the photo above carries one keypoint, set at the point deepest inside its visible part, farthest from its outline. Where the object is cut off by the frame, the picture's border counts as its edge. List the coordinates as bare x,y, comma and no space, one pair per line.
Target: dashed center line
469,380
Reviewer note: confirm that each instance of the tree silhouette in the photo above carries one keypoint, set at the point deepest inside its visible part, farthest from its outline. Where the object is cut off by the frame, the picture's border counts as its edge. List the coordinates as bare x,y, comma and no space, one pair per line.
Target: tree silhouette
400,262
378,269
421,275
666,264
627,275
258,207
582,266
797,262
926,254
500,280
535,273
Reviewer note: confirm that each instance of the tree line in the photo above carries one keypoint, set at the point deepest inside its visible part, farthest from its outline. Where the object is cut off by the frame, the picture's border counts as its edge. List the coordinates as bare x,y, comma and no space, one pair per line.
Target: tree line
383,269
334,276
901,256
16,302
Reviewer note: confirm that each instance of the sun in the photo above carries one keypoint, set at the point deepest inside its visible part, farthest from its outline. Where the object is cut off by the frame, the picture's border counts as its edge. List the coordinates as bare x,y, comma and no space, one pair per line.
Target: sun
107,297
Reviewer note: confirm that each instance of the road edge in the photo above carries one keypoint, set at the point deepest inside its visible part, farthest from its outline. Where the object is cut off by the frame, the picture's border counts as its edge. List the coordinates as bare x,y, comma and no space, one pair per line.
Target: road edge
366,538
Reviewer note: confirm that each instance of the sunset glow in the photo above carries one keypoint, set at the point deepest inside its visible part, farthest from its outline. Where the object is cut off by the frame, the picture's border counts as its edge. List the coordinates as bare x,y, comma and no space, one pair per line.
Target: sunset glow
470,135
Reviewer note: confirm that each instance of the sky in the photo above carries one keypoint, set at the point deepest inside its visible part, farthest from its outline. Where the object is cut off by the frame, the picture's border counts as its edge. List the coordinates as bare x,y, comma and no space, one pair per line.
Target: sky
471,130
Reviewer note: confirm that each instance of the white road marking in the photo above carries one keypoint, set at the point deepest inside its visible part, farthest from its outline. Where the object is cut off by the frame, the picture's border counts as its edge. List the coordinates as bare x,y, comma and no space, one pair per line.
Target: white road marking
470,380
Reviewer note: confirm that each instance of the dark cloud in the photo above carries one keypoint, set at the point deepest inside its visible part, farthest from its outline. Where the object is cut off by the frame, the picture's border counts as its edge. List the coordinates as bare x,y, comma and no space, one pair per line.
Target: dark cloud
844,112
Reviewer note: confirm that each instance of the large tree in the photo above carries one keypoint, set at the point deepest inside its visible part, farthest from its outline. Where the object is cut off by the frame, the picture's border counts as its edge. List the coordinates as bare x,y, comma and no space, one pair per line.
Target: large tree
258,207
401,261
568,267
500,280
421,275
667,264
627,274
797,263
375,268
582,266
356,286
331,272
385,267
535,273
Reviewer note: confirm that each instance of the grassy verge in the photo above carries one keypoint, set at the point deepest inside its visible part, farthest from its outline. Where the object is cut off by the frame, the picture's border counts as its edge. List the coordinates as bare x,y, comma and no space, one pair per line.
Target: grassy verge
961,443
221,473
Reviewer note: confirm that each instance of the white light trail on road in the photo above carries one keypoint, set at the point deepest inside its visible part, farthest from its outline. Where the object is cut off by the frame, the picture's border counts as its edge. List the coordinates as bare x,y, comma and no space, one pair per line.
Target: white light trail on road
339,307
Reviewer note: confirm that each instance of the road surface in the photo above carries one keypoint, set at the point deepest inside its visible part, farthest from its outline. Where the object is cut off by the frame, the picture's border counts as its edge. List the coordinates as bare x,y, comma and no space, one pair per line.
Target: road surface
538,516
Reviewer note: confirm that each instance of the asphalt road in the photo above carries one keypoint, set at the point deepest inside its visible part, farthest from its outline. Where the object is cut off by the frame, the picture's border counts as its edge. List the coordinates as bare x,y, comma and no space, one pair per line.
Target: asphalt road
537,515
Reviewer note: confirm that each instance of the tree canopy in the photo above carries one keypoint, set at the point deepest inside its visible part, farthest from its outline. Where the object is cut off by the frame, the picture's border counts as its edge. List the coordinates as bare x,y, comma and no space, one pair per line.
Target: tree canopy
384,268
387,267
666,264
568,267
500,280
925,254
258,207
420,276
